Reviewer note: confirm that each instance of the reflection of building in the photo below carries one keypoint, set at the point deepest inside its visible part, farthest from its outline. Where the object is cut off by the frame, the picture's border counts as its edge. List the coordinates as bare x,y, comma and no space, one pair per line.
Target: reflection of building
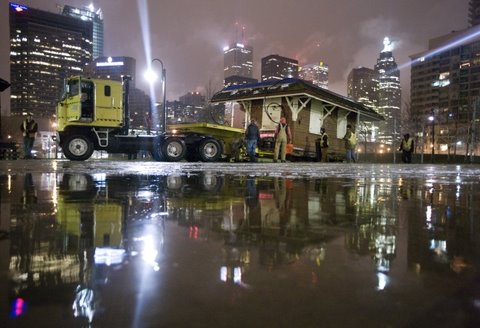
275,67
315,73
45,48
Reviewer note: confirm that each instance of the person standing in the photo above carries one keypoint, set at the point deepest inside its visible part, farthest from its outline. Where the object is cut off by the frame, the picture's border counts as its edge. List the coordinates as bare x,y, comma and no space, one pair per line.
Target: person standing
407,148
283,136
29,129
350,144
252,135
324,144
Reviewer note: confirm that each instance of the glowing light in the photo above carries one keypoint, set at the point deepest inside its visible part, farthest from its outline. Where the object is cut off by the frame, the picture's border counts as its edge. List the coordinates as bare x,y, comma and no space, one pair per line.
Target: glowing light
18,307
383,281
387,45
150,76
17,7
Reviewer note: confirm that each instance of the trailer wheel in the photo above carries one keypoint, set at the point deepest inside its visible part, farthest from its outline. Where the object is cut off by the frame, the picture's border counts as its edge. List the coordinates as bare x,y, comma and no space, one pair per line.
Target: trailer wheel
77,148
209,150
174,149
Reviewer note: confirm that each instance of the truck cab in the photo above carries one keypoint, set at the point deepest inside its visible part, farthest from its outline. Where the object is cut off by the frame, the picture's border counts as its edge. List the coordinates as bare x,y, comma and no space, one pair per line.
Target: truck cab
93,115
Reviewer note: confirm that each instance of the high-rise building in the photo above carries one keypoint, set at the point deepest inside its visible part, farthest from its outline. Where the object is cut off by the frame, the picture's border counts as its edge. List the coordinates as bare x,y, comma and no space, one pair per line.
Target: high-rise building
317,74
474,12
275,67
238,60
192,99
94,16
45,48
389,94
444,90
362,86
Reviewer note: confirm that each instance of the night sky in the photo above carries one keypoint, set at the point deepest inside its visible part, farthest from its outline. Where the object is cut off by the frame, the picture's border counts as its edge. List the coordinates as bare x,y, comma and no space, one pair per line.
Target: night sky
188,35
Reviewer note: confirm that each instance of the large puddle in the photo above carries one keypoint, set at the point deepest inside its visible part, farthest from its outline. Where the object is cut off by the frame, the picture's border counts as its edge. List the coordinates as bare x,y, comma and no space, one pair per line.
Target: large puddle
205,249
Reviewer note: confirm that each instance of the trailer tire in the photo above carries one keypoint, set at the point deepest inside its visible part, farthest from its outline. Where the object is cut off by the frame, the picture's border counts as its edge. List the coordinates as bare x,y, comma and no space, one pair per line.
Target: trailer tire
210,150
174,149
77,147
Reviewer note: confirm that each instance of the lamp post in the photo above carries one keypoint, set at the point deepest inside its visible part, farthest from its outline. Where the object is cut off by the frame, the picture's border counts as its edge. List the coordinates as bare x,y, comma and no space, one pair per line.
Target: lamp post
431,118
151,76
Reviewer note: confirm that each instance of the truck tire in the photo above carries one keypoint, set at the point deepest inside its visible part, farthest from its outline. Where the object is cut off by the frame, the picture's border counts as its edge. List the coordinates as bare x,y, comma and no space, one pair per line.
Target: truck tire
77,148
209,150
174,149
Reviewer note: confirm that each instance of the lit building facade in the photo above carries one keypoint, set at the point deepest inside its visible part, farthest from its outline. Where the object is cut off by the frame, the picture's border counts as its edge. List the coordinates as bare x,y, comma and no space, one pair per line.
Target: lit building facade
362,86
94,16
192,99
317,74
45,48
445,86
389,95
238,60
275,67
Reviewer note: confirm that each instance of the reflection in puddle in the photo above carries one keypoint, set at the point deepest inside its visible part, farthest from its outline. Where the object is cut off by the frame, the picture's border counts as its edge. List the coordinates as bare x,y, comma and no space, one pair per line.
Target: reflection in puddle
70,238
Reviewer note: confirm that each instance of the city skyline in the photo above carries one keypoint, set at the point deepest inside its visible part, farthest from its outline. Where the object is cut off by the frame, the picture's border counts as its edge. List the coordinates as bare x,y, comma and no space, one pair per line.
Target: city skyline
191,48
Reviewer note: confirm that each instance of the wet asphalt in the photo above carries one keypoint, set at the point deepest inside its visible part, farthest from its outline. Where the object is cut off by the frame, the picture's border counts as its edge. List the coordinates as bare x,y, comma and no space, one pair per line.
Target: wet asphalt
146,244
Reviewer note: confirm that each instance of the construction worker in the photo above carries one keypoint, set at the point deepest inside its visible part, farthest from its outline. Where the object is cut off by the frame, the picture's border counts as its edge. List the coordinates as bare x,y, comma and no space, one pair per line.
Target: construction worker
283,136
407,148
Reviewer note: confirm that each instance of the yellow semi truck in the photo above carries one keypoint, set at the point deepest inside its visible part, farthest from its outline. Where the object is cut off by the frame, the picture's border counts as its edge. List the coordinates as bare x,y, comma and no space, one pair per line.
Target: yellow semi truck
93,114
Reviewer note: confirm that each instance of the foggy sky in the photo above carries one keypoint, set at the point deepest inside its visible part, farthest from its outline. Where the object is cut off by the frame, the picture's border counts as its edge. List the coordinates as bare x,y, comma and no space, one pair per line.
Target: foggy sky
188,35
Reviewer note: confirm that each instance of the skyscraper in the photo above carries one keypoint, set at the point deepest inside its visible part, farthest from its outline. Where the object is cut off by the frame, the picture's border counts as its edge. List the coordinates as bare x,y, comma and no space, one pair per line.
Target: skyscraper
94,16
45,48
389,94
317,74
238,61
362,86
275,67
444,91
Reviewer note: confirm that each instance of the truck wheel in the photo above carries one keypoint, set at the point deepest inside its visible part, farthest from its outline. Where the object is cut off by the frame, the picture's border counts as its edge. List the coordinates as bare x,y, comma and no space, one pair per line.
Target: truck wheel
174,149
77,148
209,150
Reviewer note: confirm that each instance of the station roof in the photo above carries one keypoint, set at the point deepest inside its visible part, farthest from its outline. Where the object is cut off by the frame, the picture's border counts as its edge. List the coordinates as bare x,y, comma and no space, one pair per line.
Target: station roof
289,88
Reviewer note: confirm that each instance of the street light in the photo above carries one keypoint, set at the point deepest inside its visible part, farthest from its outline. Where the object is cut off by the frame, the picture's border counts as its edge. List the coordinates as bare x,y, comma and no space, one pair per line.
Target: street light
151,76
431,118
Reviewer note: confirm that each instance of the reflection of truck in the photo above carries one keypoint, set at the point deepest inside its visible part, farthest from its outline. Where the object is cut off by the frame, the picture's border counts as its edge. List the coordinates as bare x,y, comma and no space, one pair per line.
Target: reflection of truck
93,115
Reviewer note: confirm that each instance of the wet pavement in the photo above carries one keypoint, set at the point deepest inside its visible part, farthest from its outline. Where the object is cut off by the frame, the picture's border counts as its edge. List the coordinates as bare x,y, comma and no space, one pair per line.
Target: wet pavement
147,244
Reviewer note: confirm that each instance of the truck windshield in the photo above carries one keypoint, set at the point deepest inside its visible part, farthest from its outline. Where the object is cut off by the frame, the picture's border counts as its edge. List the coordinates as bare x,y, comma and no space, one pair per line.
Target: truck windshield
72,88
